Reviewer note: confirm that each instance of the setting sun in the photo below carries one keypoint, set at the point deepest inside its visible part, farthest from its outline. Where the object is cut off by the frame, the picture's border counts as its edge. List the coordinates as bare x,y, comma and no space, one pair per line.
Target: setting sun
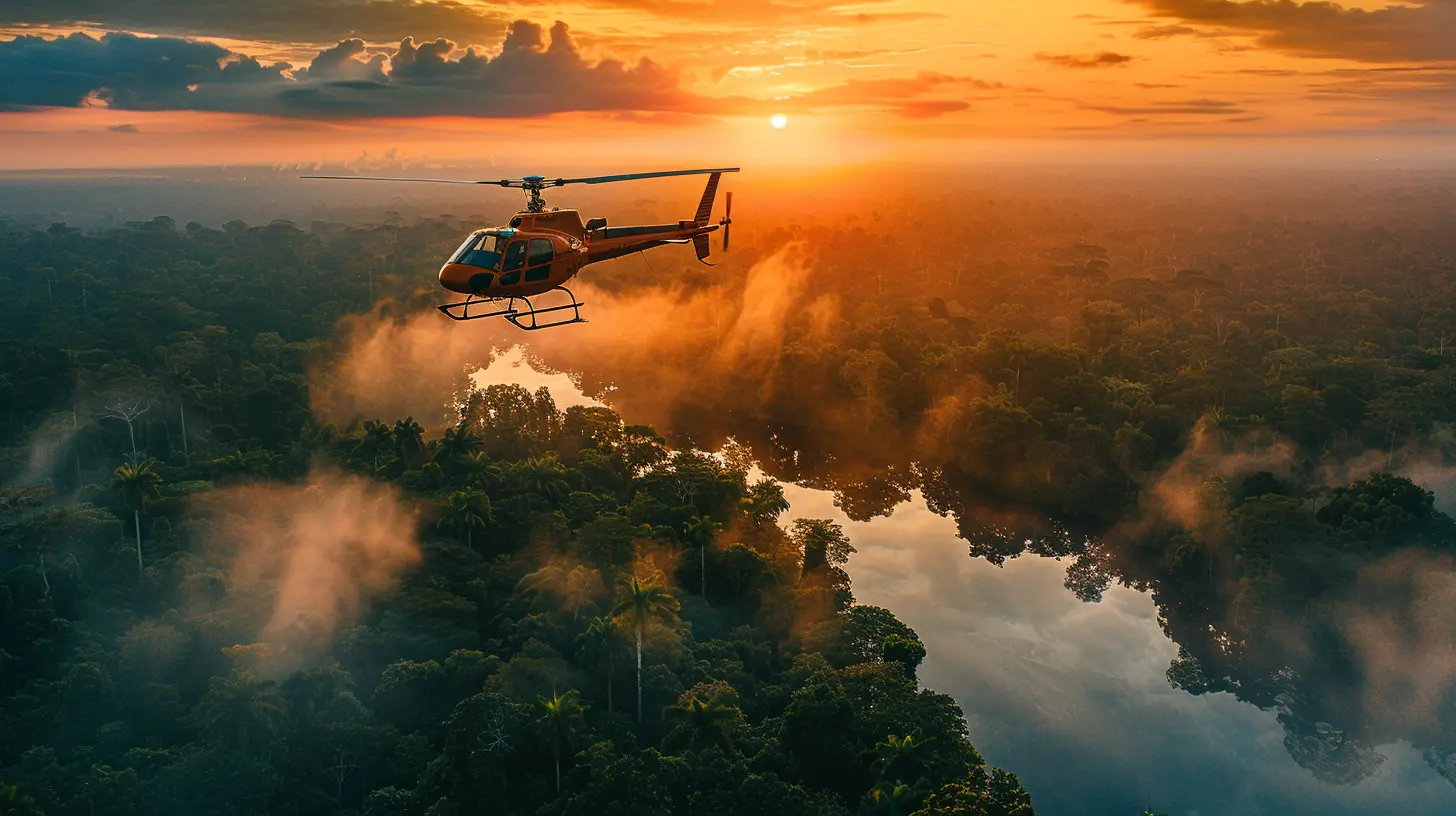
779,121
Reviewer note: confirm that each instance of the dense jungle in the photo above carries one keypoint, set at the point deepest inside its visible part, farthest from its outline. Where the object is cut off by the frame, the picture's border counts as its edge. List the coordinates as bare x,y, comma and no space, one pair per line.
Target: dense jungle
269,545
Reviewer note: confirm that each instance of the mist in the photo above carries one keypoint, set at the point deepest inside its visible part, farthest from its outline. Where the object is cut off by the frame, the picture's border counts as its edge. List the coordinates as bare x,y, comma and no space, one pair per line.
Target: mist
313,555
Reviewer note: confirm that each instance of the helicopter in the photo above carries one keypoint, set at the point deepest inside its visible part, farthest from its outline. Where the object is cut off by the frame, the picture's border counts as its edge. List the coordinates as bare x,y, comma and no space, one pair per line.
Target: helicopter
539,250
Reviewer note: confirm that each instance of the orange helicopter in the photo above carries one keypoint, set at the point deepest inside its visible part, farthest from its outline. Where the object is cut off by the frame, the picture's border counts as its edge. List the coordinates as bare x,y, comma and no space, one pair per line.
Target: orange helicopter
540,250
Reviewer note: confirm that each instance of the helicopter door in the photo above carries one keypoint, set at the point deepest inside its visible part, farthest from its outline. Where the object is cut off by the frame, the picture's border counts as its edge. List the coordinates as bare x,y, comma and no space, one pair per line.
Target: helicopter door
539,262
515,262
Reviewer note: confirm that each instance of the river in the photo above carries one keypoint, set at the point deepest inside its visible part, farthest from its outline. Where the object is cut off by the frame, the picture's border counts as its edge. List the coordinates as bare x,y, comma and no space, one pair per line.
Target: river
1069,695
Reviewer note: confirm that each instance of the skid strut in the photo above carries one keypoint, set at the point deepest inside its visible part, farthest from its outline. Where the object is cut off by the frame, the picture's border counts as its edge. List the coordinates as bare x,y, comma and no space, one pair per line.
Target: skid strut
527,319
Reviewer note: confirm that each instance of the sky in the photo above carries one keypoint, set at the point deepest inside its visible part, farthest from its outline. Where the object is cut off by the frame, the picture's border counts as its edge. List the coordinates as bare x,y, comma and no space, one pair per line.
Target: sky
399,82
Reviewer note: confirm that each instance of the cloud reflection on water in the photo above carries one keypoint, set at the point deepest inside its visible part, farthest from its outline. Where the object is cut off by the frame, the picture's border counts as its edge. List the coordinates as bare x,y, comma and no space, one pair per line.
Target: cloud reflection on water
1072,696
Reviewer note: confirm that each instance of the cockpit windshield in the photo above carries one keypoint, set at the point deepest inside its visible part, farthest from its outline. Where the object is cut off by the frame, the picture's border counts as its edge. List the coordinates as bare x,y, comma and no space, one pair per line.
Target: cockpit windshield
483,249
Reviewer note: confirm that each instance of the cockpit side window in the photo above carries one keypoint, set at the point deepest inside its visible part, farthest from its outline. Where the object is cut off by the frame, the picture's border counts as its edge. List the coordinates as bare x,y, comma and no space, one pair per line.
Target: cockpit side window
486,255
515,261
515,255
540,259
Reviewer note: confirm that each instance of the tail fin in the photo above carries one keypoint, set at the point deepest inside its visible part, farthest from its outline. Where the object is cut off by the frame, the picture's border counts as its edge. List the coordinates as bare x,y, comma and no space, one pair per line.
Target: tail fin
700,246
705,207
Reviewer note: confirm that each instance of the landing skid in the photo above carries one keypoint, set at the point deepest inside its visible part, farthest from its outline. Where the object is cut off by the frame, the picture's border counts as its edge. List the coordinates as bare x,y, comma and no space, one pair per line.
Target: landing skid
527,319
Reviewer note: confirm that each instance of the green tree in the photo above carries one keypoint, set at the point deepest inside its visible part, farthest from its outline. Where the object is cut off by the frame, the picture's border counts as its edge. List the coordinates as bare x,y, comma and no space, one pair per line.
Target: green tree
466,511
242,712
697,724
600,645
701,531
138,485
897,758
559,717
638,603
409,442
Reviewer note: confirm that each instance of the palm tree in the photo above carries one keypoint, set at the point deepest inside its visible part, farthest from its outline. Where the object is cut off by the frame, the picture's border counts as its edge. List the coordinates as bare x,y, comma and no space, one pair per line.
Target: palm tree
897,754
241,711
892,800
377,437
699,724
137,483
765,502
638,602
467,510
458,443
701,530
601,643
542,476
559,716
409,442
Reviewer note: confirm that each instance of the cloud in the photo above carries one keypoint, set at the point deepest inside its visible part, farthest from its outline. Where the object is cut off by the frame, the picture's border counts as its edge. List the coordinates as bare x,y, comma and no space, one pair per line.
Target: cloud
119,70
1185,107
324,21
534,73
531,76
1420,31
772,62
126,128
746,13
896,95
1430,88
287,21
1164,32
1104,59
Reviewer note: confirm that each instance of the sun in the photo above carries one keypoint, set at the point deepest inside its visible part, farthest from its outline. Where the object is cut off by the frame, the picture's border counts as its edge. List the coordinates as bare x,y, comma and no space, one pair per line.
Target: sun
779,121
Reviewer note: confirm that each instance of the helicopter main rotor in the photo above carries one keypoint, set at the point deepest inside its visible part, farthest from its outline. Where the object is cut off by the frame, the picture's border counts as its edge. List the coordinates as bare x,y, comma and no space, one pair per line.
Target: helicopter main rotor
533,185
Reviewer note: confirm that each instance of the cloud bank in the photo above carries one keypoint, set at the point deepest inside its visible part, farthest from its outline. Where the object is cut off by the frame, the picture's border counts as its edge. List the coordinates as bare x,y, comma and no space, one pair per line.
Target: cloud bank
533,73
1408,32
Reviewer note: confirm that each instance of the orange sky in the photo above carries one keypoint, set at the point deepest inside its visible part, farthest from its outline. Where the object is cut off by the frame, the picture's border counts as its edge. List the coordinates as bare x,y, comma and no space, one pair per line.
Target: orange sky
858,81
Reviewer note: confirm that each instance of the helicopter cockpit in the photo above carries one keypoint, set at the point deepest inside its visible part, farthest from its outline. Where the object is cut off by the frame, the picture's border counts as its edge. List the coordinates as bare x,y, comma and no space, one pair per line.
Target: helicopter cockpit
485,248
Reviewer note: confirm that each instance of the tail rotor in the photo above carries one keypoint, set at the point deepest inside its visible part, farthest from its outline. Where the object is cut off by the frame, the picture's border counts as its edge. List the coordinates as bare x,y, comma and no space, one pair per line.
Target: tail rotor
727,222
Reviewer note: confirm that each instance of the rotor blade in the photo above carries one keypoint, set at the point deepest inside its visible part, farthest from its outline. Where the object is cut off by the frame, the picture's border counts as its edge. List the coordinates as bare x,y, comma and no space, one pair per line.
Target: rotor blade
635,176
379,178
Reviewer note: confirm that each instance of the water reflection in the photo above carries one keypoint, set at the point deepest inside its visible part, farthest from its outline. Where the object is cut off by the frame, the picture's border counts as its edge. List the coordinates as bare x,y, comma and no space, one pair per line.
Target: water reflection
1072,695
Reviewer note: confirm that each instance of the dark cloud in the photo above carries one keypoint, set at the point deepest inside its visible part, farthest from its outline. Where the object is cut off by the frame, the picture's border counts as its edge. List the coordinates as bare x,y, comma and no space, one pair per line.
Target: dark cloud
531,77
287,21
1422,30
1432,87
1184,107
122,70
1164,32
1105,59
325,21
127,128
535,73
